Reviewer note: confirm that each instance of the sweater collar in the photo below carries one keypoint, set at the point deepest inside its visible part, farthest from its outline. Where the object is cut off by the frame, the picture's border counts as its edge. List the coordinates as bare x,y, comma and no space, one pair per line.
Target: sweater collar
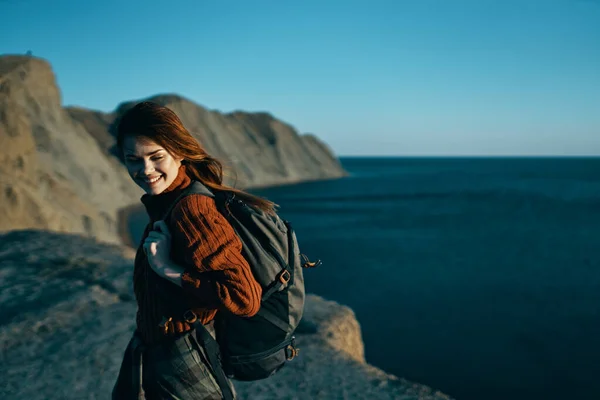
156,205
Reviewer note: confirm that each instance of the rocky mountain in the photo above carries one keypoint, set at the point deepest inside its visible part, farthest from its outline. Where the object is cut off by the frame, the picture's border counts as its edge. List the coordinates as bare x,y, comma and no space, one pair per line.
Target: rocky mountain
53,175
59,170
68,313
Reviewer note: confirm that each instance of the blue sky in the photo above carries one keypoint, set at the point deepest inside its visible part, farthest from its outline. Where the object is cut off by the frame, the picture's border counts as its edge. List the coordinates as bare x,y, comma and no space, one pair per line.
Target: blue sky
420,77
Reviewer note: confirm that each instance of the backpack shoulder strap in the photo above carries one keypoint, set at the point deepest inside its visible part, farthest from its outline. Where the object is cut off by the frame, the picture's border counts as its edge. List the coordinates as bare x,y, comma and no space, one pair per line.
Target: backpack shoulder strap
195,188
198,188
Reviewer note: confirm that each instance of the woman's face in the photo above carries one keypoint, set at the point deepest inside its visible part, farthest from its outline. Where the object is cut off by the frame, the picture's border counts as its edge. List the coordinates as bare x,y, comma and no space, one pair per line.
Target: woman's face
150,165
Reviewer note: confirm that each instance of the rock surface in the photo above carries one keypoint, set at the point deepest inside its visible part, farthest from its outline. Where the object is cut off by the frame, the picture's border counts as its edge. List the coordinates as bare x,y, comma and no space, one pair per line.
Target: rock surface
68,314
59,171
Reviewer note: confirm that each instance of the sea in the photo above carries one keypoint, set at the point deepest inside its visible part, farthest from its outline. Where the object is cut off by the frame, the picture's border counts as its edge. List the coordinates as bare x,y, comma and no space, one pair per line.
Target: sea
479,277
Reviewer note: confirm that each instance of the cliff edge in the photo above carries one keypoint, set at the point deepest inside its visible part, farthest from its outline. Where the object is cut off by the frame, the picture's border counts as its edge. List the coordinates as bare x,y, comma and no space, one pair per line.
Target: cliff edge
68,314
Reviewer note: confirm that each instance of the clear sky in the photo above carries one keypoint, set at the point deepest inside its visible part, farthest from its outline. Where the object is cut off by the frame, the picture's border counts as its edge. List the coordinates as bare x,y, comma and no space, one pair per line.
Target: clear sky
419,77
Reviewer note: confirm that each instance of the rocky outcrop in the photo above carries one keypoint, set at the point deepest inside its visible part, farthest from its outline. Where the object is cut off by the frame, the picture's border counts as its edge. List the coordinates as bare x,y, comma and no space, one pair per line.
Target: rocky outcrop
332,364
59,170
68,314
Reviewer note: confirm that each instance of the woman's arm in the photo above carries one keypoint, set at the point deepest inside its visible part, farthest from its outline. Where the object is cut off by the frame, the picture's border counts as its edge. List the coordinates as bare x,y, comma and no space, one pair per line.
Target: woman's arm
215,273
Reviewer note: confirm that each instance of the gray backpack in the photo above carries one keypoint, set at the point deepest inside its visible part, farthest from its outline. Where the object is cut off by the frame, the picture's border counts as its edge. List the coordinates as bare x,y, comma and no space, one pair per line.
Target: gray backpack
255,348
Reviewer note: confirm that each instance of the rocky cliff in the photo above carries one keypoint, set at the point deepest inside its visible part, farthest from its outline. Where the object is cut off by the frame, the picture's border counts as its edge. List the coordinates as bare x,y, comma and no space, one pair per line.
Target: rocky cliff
68,314
58,168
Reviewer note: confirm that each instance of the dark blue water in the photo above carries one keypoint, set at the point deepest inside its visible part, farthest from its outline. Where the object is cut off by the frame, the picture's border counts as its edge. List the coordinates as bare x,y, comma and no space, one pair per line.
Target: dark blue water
479,277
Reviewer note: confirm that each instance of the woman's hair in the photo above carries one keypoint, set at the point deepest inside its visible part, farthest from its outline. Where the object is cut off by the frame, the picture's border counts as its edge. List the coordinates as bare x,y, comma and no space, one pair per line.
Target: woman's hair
162,126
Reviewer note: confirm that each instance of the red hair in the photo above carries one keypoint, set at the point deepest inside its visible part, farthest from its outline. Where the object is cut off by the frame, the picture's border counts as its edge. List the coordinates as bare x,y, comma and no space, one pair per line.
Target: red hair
162,126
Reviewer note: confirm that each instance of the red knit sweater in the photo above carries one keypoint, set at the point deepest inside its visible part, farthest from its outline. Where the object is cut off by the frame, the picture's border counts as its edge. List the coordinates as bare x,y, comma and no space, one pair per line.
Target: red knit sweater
216,275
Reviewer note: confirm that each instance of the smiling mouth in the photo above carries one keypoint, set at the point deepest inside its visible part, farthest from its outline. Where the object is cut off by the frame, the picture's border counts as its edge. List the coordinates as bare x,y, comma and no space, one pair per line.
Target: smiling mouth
151,181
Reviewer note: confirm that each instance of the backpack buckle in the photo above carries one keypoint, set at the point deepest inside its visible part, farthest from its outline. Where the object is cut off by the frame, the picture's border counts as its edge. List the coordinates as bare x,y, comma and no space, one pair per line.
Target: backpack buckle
190,317
285,276
291,353
308,263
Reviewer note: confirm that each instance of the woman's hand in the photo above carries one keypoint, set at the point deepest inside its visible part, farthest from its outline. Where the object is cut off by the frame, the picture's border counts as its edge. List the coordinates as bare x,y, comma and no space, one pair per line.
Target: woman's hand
157,247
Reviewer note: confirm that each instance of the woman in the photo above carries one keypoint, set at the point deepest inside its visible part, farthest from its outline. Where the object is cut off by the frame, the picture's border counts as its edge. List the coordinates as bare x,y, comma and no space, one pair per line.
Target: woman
190,260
